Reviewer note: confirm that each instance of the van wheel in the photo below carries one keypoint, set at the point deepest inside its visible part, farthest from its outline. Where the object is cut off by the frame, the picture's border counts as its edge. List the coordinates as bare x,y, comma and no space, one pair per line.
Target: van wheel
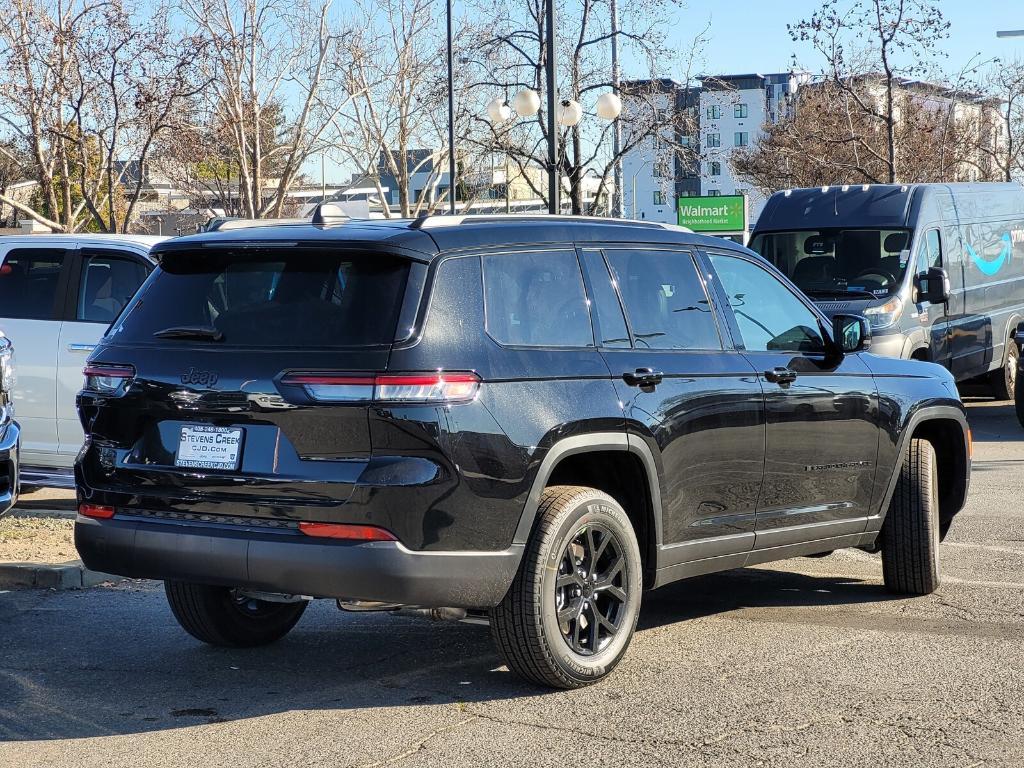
1004,379
570,613
222,616
910,536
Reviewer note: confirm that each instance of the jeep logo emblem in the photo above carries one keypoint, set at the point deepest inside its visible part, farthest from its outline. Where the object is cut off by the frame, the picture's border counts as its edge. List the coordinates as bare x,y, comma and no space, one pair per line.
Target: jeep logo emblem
200,378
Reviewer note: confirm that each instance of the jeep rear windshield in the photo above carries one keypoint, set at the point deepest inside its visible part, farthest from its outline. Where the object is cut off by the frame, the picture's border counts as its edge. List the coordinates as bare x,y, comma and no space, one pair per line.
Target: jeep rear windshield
839,263
268,298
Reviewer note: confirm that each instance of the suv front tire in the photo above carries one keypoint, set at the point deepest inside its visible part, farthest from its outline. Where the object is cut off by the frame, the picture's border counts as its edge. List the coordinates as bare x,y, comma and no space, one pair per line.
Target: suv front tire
910,537
570,613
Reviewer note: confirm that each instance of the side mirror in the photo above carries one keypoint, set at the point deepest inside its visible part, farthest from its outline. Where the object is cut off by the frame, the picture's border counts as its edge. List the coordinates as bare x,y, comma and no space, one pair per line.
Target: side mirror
852,333
933,286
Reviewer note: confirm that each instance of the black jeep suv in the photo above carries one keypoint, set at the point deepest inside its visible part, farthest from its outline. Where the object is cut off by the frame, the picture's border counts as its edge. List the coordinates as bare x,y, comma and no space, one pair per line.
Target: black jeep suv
529,419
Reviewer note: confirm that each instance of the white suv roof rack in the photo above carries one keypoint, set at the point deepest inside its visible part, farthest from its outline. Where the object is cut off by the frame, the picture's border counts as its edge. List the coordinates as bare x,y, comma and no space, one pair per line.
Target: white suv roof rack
448,220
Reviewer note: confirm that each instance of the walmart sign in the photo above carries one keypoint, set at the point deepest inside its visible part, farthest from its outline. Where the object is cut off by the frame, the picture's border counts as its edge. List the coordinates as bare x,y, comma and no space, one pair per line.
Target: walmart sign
726,213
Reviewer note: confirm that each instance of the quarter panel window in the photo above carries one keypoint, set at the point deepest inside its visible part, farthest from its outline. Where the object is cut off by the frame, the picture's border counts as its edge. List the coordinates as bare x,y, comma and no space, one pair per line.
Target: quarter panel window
536,300
665,300
29,278
770,316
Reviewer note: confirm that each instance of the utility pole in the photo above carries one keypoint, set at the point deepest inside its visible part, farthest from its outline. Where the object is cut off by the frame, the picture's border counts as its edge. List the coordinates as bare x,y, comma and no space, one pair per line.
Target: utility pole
551,61
451,119
617,195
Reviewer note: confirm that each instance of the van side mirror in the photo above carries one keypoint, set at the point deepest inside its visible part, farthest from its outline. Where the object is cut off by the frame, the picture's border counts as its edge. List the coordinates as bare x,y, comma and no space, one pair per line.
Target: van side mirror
932,286
852,333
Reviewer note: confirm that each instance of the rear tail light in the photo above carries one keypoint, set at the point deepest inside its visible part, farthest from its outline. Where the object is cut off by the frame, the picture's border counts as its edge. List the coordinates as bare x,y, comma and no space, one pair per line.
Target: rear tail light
107,379
98,511
346,531
444,388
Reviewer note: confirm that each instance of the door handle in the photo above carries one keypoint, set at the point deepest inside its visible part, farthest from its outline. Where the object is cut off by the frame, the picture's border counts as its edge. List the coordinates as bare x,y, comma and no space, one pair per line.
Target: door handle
643,377
81,347
781,376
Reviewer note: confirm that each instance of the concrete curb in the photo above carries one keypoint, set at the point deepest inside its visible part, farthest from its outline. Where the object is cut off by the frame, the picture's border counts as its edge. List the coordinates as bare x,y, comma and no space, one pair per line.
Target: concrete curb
71,575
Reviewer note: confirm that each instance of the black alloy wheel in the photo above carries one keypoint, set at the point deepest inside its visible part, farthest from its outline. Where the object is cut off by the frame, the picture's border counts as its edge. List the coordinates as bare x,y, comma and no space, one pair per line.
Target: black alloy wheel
590,591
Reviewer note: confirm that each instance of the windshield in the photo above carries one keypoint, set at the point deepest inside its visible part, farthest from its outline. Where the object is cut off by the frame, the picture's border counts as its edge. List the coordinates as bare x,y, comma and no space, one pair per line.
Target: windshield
298,298
847,263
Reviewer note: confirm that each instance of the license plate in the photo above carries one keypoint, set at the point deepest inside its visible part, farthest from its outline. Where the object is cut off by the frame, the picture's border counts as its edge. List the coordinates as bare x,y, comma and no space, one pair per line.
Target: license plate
206,447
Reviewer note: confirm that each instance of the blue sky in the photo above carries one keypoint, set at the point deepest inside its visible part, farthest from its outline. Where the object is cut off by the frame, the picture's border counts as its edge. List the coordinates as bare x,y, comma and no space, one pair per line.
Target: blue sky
750,35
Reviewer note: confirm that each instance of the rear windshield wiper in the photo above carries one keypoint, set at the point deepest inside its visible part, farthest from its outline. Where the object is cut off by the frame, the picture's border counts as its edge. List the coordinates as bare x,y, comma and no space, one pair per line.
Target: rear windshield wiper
200,332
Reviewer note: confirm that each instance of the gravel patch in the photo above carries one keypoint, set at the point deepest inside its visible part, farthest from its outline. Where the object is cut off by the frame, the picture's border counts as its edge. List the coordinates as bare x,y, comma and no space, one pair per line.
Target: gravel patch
30,537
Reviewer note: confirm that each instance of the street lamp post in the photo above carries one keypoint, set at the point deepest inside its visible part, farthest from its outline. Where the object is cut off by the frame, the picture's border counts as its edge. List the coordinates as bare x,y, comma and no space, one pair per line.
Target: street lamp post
551,62
633,187
451,118
567,113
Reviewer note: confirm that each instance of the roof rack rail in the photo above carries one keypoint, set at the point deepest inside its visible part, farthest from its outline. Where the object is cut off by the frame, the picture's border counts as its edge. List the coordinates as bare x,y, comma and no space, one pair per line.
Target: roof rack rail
429,221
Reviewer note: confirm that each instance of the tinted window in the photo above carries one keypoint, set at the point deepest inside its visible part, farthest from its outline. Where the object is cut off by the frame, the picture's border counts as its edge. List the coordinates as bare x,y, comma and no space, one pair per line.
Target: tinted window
611,326
28,283
665,300
107,284
770,316
536,299
305,298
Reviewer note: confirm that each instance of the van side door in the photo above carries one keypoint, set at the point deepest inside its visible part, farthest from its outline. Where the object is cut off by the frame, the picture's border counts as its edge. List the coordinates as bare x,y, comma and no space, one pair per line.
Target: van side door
934,318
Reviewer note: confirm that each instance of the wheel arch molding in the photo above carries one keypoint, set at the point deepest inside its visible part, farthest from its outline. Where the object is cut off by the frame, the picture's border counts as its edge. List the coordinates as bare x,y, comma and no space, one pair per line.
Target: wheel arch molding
566,462
946,427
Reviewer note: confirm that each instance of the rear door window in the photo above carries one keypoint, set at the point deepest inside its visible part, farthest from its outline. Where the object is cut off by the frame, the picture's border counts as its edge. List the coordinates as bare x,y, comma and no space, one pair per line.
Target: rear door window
107,283
536,299
302,298
666,303
29,282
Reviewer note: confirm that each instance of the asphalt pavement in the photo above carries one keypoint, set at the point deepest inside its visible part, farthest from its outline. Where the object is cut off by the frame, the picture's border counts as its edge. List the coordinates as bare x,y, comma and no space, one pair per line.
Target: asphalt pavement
807,662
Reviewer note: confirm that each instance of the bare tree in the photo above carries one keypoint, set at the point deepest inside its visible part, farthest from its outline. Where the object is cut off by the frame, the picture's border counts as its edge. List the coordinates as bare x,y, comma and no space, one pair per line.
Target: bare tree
396,127
514,51
1005,84
271,59
870,47
822,142
89,86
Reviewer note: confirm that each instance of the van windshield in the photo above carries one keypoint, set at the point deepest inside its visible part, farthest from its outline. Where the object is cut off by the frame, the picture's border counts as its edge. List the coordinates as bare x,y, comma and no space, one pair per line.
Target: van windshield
839,263
299,298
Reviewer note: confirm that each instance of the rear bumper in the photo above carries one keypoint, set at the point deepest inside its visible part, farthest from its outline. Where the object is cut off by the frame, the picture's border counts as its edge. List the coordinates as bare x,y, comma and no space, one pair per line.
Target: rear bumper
292,563
10,440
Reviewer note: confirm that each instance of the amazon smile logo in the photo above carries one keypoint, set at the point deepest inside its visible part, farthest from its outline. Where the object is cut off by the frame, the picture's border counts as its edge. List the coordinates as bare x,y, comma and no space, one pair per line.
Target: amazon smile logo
992,266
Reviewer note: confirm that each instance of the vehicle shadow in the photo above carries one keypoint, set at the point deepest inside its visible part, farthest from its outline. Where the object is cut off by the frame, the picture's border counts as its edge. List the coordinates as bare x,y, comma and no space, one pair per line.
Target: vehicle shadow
720,593
115,663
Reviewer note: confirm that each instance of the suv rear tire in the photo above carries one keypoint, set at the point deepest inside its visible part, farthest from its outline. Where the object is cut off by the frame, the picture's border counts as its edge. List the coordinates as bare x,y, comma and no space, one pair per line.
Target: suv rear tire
910,538
221,616
1004,379
569,616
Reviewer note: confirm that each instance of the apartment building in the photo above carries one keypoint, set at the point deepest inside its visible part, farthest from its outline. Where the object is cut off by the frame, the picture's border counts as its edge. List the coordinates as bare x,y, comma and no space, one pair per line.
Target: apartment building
728,111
